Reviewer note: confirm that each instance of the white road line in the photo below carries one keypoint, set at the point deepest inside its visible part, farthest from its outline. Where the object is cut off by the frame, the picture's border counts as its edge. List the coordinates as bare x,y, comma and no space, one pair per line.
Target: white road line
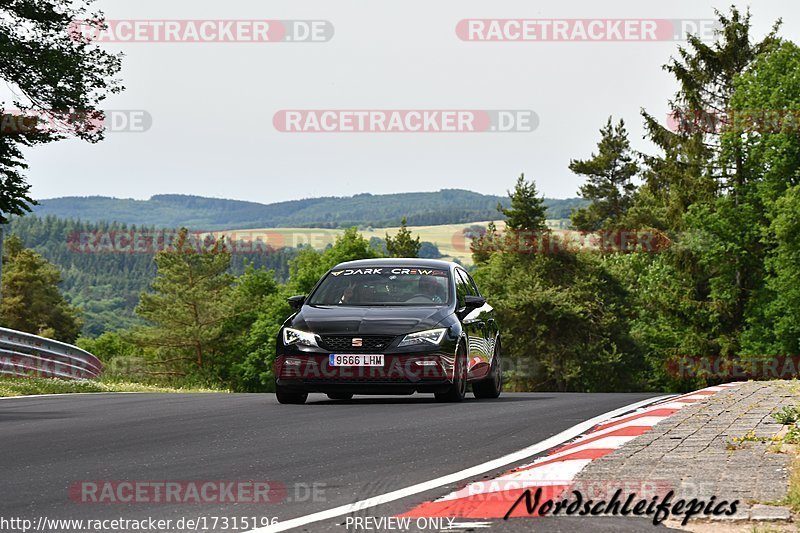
474,471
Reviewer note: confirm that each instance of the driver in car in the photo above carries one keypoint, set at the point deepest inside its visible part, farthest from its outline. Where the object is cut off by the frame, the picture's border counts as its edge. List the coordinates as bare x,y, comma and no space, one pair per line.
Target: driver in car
355,294
432,289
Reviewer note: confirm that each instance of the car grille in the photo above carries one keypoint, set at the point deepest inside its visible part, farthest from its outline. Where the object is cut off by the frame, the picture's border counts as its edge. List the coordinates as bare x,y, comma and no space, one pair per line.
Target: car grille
344,343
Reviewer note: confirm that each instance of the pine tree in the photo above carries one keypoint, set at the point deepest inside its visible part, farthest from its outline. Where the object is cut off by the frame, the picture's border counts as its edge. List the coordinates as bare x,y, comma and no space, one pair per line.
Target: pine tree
609,187
402,244
699,188
692,167
33,302
527,212
190,302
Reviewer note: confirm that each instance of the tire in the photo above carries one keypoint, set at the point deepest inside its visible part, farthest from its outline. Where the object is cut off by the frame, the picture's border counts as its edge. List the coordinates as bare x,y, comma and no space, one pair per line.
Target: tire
458,390
290,397
491,387
340,396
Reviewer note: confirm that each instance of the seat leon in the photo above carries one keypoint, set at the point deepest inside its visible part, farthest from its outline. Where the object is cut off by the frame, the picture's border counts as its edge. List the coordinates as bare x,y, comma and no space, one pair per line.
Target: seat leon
389,326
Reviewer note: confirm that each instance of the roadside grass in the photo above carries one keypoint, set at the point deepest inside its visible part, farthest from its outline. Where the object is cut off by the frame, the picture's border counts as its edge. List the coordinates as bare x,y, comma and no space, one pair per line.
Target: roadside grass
28,386
738,443
790,418
792,499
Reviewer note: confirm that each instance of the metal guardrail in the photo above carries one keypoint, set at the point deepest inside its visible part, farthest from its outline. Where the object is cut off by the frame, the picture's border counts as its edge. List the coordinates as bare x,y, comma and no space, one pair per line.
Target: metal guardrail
23,354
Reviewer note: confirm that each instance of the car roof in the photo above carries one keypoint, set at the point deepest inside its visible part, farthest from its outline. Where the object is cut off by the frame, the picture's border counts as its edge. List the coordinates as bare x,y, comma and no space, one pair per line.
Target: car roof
400,262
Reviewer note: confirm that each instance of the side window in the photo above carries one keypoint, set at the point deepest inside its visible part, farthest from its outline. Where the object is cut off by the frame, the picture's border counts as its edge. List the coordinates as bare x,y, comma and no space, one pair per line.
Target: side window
472,284
469,286
462,289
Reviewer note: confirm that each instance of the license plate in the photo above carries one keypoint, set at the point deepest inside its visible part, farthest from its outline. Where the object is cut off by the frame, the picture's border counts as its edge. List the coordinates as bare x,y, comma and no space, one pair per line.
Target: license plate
340,359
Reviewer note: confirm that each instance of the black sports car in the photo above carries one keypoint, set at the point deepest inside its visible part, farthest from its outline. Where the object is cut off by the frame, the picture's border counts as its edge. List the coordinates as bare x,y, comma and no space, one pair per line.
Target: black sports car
390,326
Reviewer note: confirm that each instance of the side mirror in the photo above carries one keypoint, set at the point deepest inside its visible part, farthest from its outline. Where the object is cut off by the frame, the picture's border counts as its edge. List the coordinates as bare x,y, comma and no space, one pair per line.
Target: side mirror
296,301
470,304
474,302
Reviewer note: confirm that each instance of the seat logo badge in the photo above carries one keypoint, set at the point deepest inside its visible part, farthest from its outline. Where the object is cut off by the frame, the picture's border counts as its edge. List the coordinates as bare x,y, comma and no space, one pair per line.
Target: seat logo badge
358,342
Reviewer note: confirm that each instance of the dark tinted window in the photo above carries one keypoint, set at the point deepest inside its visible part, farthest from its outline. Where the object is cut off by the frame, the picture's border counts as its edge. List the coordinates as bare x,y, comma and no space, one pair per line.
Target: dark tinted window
462,289
470,287
471,282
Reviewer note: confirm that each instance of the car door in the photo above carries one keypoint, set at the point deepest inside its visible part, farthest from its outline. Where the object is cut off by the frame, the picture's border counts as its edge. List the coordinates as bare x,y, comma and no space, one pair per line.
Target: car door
487,316
474,326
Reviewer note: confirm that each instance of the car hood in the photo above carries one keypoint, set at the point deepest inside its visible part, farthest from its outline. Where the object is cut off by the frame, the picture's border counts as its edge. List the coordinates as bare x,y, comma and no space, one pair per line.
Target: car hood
340,320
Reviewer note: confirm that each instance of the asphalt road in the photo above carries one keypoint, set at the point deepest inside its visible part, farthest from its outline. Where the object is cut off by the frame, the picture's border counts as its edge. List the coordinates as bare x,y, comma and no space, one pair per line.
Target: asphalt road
325,453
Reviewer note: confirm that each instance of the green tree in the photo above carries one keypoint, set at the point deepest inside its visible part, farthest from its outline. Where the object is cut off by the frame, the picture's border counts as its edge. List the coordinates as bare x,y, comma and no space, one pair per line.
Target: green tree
527,212
33,302
691,168
309,265
702,189
564,321
51,71
774,327
484,243
402,244
246,360
562,313
256,352
187,310
609,187
767,100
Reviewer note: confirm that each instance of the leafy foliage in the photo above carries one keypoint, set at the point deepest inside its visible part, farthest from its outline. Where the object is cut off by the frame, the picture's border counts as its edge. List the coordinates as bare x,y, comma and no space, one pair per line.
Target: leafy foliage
256,350
402,244
52,72
31,300
609,187
726,189
186,311
562,314
527,211
107,285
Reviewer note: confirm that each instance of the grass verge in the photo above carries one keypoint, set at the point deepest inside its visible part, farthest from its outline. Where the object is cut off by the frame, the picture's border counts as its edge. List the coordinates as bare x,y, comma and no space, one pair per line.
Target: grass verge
793,497
24,386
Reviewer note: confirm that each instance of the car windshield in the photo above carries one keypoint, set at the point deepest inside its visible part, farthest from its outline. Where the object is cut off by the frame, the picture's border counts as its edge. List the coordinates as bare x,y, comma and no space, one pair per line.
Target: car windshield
383,286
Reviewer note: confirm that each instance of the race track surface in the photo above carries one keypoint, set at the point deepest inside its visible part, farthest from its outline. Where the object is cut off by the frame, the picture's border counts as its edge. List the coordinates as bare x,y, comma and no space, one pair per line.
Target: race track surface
326,453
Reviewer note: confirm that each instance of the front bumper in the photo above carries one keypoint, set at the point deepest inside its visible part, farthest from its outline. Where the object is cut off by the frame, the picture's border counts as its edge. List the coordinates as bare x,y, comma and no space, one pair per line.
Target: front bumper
401,373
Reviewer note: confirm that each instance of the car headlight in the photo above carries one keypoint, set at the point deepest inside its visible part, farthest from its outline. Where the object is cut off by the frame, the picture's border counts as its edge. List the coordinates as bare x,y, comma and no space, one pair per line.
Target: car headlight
295,336
431,337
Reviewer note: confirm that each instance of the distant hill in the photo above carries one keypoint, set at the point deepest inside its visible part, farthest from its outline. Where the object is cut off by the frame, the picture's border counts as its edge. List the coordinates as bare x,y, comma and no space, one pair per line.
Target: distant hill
448,206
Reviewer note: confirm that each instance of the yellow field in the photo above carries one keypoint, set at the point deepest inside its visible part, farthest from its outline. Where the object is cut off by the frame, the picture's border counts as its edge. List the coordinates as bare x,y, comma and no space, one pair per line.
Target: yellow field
449,238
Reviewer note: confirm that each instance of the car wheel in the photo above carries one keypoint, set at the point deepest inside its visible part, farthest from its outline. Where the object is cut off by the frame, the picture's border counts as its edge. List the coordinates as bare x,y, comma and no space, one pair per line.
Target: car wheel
340,396
491,387
458,390
289,396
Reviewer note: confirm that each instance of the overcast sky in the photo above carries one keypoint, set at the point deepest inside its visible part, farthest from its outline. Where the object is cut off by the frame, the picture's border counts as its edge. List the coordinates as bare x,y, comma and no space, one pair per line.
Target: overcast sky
212,104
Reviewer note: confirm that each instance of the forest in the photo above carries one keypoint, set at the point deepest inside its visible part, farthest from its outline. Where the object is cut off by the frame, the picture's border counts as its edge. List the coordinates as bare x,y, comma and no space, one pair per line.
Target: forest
447,206
721,189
